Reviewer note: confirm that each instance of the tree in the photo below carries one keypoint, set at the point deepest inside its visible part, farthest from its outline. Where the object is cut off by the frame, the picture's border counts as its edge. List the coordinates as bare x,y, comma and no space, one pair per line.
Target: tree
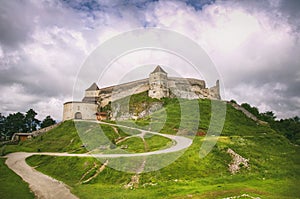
233,101
268,116
31,123
2,125
48,121
14,123
290,128
251,109
296,119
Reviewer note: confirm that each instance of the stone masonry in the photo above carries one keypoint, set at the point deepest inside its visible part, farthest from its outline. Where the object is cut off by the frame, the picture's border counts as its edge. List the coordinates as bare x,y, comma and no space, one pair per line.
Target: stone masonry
158,85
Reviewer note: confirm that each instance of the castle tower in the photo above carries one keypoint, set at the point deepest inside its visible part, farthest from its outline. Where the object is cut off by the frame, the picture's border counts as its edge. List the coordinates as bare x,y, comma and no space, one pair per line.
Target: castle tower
91,94
158,83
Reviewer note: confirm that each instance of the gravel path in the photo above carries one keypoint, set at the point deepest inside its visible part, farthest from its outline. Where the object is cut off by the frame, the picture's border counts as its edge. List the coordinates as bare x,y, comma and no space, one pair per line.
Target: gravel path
45,187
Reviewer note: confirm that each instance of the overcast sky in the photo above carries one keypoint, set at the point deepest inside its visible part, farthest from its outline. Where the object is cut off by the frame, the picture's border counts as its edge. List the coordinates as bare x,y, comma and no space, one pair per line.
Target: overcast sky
254,45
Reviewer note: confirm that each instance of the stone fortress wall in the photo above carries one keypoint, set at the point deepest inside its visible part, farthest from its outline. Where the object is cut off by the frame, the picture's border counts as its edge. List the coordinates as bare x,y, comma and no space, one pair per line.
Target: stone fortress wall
120,91
158,85
79,110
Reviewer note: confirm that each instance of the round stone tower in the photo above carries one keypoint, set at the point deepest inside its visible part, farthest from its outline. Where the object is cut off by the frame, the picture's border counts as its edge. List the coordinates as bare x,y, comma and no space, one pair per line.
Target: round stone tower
158,83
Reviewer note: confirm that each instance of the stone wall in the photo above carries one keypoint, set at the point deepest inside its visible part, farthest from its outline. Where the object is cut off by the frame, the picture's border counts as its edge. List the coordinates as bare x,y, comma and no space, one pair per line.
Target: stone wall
114,93
214,92
247,113
92,93
16,136
158,85
79,110
187,88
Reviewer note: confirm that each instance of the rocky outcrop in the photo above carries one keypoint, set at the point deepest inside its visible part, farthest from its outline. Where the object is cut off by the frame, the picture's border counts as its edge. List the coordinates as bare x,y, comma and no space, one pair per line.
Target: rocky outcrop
237,162
242,196
141,110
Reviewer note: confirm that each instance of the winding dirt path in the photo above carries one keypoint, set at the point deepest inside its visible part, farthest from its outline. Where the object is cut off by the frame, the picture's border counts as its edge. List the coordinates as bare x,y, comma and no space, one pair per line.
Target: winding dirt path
45,187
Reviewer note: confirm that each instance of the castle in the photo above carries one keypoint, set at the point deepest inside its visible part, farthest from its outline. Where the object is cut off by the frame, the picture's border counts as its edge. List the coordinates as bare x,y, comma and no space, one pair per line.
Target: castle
158,85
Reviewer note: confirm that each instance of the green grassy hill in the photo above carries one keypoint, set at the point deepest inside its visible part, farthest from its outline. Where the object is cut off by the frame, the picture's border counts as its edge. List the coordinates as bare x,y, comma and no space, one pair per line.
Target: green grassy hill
274,170
11,185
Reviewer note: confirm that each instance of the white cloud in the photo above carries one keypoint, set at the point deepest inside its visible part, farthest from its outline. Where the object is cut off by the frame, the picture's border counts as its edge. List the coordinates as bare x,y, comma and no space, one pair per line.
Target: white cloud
52,106
255,48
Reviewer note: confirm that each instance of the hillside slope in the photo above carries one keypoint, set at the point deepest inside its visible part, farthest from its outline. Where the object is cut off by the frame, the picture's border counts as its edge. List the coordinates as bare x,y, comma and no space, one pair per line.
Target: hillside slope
273,172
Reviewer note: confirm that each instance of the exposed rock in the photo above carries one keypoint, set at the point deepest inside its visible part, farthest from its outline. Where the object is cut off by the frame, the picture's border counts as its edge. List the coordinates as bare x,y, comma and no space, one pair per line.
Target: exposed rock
99,170
148,111
135,179
237,162
242,196
119,114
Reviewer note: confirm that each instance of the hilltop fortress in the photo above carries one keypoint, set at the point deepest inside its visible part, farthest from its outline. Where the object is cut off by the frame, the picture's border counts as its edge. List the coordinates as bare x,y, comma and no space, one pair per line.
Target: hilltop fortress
158,86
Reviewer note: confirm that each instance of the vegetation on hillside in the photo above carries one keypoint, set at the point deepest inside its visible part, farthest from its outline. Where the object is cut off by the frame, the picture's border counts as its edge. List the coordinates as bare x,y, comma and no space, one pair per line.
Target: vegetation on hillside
289,127
86,136
11,185
273,173
48,121
21,123
63,138
274,170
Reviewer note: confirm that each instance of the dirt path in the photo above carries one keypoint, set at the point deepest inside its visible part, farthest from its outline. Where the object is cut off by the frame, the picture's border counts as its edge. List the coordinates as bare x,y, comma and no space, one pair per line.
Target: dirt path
43,186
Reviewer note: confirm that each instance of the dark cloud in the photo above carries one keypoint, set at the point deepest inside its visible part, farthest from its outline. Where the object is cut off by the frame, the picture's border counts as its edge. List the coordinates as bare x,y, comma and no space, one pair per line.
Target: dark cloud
16,23
291,9
255,45
199,4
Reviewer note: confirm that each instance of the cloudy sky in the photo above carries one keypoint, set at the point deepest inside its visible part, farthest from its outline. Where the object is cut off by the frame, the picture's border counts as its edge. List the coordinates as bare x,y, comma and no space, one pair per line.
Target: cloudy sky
253,44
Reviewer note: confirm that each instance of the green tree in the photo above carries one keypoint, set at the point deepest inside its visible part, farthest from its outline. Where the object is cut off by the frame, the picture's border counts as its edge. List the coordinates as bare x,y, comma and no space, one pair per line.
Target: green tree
233,101
268,116
290,128
296,119
48,121
14,123
2,125
31,123
251,109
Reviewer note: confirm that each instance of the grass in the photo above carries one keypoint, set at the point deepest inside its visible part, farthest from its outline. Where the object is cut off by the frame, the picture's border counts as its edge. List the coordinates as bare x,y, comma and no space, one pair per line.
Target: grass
134,145
136,103
11,185
85,136
274,162
155,142
189,175
63,138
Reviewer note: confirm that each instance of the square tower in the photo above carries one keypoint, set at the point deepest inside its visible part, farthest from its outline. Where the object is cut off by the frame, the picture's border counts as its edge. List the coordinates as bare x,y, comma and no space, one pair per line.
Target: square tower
158,84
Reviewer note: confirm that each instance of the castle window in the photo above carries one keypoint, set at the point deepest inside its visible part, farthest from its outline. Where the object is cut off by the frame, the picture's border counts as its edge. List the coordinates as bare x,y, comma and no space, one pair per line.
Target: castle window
78,108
